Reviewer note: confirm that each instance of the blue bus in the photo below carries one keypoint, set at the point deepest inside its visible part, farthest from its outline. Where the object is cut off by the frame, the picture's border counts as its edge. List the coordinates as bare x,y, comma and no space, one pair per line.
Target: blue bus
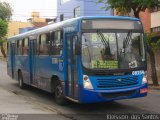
86,59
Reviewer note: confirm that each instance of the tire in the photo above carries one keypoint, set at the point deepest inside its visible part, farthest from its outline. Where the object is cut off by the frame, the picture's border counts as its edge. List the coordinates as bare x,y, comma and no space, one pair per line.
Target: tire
20,80
59,97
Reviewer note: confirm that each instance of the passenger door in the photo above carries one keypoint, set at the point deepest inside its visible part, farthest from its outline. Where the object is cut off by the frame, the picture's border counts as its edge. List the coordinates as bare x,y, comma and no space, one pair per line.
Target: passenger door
32,52
12,59
72,71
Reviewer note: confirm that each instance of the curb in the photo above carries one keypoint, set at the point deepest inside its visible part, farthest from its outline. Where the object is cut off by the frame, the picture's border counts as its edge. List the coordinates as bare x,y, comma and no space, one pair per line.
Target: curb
150,86
2,59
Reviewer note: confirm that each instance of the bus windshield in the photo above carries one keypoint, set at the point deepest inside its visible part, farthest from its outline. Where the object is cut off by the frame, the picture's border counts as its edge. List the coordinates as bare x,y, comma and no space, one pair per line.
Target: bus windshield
115,50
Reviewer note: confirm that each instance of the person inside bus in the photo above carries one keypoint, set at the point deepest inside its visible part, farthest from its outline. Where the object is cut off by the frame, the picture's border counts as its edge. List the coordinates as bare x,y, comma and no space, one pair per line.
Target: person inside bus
106,54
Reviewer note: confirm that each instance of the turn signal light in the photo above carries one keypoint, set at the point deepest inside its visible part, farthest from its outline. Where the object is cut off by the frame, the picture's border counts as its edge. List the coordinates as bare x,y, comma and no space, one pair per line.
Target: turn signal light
85,78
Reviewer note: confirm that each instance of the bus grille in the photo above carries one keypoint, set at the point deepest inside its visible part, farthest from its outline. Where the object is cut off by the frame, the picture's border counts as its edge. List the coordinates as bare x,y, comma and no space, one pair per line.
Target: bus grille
119,94
117,82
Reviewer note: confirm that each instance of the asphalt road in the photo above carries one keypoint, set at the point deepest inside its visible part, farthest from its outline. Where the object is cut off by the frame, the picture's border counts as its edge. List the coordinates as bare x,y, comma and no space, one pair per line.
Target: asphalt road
74,111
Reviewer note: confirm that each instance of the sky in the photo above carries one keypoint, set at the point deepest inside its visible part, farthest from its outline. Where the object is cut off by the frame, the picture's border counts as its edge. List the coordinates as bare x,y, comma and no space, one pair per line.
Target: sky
22,8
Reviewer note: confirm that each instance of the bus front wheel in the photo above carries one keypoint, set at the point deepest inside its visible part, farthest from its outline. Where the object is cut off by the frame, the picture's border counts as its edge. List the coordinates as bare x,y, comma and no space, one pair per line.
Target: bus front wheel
20,80
59,97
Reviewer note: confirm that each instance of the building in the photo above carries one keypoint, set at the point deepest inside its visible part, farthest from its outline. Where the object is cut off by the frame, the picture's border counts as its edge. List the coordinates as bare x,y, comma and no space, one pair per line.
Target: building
146,20
35,17
151,21
37,21
155,21
74,8
15,26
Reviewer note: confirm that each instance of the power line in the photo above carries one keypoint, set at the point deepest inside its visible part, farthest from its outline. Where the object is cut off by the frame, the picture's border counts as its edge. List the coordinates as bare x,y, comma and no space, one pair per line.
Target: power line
22,10
60,13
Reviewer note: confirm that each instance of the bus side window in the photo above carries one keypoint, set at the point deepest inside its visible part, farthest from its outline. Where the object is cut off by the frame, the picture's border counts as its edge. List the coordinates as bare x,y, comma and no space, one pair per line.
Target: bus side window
48,43
25,46
44,44
57,43
52,44
19,47
38,45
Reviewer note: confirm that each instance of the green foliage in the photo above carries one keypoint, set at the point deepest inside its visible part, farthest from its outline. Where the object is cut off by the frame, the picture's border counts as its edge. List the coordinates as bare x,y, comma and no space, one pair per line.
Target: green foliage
126,6
5,11
154,45
1,41
5,15
3,28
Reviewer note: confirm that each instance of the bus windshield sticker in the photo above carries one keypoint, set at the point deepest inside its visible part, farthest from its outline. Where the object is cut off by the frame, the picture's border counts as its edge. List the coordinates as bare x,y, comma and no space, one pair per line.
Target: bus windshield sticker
105,64
133,64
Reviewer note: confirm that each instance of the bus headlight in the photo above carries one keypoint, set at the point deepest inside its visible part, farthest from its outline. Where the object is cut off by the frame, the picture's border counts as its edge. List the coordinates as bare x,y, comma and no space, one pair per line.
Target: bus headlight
144,80
86,82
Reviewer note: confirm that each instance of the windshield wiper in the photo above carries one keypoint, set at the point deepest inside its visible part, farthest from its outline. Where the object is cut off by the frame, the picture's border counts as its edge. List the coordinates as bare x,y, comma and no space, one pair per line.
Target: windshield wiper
127,40
105,42
103,39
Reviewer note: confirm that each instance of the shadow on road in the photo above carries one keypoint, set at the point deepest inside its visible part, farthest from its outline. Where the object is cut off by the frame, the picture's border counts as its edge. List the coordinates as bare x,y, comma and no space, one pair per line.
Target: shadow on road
71,107
75,111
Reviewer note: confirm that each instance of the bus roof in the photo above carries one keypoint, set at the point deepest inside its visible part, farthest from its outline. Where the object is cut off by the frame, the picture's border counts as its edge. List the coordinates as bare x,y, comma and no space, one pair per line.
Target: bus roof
65,23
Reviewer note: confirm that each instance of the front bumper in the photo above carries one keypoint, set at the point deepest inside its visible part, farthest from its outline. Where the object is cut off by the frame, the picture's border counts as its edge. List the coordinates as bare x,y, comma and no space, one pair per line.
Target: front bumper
92,96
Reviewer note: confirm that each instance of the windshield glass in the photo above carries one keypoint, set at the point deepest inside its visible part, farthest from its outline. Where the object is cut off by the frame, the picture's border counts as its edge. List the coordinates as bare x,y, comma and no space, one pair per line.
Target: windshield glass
102,50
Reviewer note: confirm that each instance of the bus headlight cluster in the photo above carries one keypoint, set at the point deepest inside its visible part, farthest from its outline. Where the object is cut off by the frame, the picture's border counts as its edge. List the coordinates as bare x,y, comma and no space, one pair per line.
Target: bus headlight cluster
86,82
144,80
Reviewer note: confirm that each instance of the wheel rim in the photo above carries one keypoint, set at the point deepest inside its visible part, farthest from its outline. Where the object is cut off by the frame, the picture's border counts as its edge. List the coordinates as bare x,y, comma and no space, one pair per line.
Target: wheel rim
59,91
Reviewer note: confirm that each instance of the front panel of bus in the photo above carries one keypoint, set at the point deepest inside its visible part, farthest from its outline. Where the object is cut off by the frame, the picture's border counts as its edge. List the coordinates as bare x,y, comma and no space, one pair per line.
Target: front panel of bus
112,60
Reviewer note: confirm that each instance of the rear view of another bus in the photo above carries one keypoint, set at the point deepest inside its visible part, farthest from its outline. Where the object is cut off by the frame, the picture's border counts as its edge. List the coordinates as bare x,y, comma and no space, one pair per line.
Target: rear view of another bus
113,59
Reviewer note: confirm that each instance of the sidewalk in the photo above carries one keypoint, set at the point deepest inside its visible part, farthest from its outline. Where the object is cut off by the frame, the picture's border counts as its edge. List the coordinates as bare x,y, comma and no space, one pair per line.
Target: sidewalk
2,59
12,103
15,107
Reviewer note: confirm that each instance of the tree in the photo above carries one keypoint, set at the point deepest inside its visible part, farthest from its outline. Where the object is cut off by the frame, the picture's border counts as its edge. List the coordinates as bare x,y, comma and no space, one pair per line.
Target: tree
5,11
126,6
3,32
136,6
5,14
152,47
